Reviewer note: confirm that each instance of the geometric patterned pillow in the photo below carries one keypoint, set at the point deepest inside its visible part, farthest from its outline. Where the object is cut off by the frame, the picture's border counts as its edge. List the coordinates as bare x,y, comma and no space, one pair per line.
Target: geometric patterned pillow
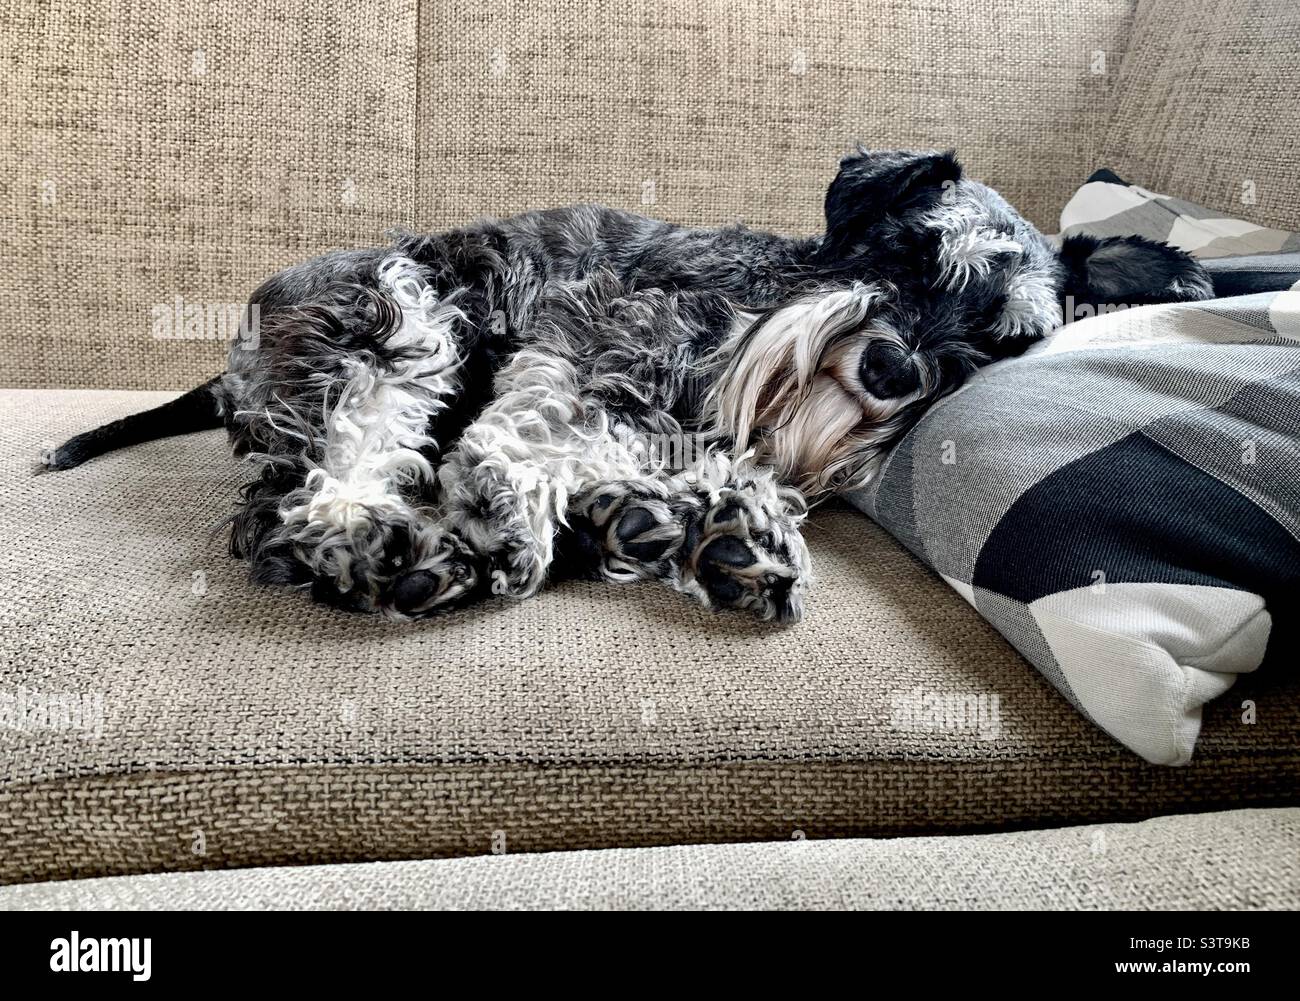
1107,205
1240,256
1122,503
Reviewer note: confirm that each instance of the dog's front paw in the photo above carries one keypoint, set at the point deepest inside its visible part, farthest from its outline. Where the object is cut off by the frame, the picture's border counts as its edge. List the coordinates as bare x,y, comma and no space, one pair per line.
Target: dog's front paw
630,531
746,552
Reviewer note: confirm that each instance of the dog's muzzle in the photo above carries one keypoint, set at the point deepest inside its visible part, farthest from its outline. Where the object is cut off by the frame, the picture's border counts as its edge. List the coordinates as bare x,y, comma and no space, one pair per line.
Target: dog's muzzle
887,370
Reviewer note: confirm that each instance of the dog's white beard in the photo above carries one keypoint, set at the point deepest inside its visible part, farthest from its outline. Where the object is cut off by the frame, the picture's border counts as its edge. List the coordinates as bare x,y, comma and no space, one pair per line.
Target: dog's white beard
817,437
795,380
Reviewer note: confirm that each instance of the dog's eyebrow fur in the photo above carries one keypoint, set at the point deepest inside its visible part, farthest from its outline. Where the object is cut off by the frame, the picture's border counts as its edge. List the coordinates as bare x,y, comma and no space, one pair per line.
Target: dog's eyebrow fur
968,246
776,356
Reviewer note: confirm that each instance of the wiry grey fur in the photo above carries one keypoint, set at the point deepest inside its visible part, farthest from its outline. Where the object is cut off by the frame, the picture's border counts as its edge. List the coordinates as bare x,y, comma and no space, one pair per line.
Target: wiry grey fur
469,413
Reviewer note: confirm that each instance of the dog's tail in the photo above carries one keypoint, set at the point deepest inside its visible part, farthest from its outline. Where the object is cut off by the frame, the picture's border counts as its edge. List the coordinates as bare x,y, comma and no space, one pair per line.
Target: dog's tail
198,410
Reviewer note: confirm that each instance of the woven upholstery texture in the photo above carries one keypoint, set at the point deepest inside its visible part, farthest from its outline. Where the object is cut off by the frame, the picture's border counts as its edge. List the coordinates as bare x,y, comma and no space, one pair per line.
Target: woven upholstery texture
714,111
244,726
1207,108
1243,859
155,150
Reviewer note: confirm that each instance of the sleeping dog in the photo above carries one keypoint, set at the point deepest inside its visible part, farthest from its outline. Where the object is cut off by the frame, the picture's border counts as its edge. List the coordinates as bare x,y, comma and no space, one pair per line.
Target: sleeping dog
468,413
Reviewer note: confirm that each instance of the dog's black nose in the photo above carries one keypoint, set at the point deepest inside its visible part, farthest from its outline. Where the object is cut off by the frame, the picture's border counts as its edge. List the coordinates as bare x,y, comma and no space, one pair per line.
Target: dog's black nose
887,370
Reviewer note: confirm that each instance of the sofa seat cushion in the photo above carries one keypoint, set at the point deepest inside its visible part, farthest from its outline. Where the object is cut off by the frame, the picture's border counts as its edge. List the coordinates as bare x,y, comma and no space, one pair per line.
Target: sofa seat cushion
158,712
1244,859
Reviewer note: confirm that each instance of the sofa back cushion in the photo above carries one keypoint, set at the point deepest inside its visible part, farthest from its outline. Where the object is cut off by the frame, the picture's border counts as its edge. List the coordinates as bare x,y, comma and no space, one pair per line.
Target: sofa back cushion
708,112
153,151
1207,107
162,158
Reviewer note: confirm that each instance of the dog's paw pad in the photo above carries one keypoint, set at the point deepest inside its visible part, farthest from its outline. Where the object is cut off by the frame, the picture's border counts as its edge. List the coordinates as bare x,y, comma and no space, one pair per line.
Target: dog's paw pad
415,590
647,532
438,582
744,557
630,531
737,573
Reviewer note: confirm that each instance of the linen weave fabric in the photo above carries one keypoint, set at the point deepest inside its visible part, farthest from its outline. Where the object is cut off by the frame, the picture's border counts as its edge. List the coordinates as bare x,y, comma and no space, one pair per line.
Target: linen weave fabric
245,727
1244,860
153,151
1204,107
218,724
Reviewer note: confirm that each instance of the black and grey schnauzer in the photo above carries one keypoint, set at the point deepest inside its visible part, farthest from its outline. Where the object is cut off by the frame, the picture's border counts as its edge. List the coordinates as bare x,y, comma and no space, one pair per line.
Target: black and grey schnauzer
466,413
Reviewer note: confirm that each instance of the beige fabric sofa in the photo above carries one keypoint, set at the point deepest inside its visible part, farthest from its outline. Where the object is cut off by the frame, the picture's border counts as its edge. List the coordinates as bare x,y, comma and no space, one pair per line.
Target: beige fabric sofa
1244,859
158,152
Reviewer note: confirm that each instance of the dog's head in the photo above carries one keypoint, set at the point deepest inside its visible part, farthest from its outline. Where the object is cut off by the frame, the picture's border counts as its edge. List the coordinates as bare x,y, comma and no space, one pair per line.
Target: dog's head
922,276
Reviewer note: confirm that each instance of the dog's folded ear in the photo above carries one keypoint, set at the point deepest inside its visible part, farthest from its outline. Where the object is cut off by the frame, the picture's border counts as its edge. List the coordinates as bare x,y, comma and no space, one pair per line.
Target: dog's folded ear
875,184
1127,271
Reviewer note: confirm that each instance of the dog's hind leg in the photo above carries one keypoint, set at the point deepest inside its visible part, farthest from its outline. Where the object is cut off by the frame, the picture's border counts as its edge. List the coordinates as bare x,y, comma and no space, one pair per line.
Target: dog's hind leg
340,411
505,488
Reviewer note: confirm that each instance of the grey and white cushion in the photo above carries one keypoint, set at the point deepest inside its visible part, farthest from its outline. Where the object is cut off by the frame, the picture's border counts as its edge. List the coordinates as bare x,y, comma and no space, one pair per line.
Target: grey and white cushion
1123,504
1108,205
1241,257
